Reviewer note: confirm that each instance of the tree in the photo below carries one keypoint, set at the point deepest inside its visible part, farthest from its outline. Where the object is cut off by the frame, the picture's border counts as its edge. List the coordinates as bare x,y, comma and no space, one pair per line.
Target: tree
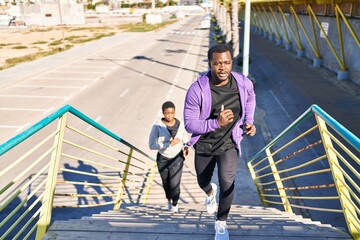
235,28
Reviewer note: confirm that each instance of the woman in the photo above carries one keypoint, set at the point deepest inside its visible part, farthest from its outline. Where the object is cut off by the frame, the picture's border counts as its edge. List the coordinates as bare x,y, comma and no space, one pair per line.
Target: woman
168,136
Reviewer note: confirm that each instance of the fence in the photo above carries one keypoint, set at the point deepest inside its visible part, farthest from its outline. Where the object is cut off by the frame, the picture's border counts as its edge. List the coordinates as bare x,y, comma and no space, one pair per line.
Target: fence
311,168
70,161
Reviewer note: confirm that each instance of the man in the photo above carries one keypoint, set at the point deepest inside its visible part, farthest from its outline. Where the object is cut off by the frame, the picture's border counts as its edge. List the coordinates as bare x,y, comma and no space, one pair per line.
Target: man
219,108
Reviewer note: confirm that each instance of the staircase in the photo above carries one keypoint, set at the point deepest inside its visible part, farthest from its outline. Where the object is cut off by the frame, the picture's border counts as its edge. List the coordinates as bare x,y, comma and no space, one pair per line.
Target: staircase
155,222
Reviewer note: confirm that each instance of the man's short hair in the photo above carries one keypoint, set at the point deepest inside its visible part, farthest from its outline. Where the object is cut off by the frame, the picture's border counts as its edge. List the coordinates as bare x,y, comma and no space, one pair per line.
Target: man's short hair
167,104
219,48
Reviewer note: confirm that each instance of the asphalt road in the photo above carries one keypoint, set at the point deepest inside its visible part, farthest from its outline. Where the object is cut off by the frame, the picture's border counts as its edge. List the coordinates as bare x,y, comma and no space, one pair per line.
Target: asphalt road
121,81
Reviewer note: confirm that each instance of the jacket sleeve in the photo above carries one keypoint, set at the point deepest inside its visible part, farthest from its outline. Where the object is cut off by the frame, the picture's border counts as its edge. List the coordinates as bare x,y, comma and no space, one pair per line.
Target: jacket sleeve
193,121
154,143
185,135
250,103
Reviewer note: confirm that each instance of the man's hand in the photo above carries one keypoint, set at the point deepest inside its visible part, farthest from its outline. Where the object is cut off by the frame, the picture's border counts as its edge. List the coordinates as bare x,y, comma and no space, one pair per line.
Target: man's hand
225,117
250,129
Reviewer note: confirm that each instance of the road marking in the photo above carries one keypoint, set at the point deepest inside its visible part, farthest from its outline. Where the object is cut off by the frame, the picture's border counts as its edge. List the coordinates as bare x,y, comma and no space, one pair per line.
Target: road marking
282,107
9,126
48,110
83,66
22,127
124,92
62,78
24,109
184,61
67,98
31,96
67,71
96,120
142,74
287,114
45,86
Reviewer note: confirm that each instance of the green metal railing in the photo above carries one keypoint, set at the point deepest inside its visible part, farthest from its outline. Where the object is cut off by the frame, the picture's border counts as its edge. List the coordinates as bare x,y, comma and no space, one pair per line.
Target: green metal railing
312,167
71,161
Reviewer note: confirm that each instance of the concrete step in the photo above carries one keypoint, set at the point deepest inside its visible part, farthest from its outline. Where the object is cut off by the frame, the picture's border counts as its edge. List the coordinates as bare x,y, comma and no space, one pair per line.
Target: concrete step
152,222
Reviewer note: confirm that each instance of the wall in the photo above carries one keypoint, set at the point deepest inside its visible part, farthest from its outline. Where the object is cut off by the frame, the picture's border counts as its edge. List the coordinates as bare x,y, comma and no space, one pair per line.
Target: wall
351,49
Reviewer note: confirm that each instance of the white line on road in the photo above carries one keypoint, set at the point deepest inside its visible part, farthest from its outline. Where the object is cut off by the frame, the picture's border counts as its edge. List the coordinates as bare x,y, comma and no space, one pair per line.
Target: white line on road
9,126
96,120
67,71
22,127
45,86
63,79
31,96
184,61
124,92
142,74
84,66
24,109
48,110
282,107
287,114
67,98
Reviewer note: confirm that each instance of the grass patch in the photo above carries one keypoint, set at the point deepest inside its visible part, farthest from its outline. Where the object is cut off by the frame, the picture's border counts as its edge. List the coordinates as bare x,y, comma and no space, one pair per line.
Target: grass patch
42,29
97,37
39,42
88,29
55,43
19,47
71,38
8,44
144,27
30,57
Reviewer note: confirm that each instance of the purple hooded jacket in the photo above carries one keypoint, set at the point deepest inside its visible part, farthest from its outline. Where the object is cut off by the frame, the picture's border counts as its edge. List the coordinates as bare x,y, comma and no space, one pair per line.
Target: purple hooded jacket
198,106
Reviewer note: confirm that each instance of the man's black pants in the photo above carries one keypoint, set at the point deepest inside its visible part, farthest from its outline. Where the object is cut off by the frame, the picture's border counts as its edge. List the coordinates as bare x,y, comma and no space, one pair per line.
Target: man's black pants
227,166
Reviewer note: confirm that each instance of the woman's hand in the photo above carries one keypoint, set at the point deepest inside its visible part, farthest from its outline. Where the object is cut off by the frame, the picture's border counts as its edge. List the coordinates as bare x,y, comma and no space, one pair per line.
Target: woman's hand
186,151
174,141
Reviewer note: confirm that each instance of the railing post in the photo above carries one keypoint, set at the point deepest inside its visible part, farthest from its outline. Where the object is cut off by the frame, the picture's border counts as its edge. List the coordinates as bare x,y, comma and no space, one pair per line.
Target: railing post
123,181
279,183
47,202
151,177
342,191
253,176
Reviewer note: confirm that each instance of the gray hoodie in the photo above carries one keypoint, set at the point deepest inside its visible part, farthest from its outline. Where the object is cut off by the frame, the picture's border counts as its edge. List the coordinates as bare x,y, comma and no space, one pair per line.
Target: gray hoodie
160,138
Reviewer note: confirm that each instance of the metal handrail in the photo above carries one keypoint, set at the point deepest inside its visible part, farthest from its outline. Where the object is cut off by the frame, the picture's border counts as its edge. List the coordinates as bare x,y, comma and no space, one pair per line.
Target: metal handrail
339,163
39,182
46,121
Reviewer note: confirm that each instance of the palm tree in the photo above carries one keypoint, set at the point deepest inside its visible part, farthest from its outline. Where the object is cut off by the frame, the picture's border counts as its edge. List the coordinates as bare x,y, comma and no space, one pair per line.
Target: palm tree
235,28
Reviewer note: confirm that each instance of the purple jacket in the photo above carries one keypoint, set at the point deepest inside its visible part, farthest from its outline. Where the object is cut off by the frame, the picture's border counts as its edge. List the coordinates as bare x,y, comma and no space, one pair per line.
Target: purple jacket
198,106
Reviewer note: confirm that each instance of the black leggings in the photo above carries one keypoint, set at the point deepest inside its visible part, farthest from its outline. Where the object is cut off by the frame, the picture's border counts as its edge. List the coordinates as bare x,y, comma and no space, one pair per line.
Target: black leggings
227,166
170,171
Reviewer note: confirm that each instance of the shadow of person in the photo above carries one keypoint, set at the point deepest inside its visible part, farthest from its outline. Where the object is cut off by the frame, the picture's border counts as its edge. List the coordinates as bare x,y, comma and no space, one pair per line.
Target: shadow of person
80,188
94,182
15,215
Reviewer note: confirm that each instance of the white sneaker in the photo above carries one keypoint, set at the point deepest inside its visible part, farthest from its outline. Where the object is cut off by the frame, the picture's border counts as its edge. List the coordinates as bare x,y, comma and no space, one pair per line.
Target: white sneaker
174,209
210,201
221,232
